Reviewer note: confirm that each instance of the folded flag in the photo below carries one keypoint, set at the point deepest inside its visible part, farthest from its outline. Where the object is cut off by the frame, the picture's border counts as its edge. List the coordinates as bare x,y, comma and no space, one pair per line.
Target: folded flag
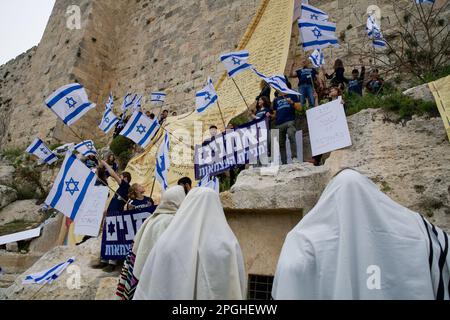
86,148
158,97
235,62
74,180
40,150
69,103
205,97
317,59
207,182
110,103
49,275
140,129
163,163
317,34
277,82
374,33
313,13
108,121
128,102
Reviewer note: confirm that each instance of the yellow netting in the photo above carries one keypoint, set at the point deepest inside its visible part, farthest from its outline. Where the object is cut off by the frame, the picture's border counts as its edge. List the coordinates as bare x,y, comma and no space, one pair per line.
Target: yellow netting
267,39
441,91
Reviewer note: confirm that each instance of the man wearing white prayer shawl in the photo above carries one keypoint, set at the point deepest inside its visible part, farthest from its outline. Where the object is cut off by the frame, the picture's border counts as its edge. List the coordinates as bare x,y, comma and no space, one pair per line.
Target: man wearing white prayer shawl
146,237
197,258
357,243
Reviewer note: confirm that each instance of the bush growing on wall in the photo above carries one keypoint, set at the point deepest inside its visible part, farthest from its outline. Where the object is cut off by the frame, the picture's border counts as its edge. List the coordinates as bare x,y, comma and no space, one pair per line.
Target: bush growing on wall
122,148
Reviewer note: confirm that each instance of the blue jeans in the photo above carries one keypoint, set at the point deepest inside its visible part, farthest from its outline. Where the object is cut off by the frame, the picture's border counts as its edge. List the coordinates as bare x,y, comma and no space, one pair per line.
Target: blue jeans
306,91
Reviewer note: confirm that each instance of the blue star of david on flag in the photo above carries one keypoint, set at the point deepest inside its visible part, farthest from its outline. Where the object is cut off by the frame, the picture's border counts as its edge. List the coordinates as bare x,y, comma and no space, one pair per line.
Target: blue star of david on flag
111,228
74,188
44,150
314,17
207,96
40,150
317,33
236,61
140,129
71,102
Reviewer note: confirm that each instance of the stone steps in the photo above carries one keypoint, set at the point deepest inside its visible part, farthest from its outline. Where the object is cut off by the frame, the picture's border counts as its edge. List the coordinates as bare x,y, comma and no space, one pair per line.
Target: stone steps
6,280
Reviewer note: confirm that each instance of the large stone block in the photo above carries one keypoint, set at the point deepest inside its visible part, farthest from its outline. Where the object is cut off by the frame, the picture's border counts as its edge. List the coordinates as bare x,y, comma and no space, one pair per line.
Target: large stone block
7,196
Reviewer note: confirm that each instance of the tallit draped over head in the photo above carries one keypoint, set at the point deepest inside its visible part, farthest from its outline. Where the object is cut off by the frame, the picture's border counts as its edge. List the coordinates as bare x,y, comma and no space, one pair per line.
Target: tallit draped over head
155,225
357,243
197,258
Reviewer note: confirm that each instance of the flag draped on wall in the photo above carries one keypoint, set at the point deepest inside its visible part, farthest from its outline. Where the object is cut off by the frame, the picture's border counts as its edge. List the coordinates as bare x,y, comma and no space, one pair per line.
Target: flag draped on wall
235,62
40,150
205,97
74,180
140,129
109,119
69,103
163,163
317,34
86,148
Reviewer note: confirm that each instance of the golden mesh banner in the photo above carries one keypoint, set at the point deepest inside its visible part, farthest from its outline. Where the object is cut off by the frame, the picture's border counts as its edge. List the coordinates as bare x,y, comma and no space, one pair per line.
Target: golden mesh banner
441,92
267,39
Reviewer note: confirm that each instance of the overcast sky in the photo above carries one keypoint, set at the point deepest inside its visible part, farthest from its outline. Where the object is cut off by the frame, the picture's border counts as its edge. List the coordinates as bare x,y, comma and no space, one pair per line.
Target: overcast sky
22,24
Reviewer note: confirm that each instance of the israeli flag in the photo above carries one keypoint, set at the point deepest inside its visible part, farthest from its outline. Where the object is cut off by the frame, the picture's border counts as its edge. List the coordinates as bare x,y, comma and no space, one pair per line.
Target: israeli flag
69,103
40,150
74,180
313,13
86,148
158,97
235,62
317,34
424,1
205,97
49,275
108,121
110,103
137,105
374,33
128,102
207,182
277,82
140,129
163,163
317,59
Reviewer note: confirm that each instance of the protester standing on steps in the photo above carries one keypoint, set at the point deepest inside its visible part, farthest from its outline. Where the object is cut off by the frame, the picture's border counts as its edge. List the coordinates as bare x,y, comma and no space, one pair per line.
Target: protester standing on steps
306,79
117,204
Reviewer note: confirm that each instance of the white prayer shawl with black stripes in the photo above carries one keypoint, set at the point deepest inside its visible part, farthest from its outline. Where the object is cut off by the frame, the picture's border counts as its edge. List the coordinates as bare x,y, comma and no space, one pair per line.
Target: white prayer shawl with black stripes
357,243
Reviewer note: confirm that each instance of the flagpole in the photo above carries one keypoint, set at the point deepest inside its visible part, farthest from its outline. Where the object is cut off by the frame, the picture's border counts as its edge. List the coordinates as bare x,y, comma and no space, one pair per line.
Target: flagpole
239,90
221,115
153,185
76,134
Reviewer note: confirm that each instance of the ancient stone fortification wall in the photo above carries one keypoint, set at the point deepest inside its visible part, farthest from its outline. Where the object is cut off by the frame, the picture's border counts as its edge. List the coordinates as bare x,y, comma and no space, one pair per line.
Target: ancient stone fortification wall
138,46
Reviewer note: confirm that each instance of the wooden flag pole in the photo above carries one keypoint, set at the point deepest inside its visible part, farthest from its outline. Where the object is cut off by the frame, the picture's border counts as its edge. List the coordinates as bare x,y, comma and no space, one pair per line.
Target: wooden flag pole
239,90
221,114
153,185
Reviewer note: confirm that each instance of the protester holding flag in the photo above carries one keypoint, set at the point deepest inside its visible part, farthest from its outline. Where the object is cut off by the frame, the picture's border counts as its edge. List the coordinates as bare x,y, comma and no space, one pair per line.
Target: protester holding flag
306,78
337,77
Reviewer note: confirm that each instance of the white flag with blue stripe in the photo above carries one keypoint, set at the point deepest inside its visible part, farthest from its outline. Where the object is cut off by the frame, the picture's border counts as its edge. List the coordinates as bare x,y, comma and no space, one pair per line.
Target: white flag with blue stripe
374,33
137,104
277,82
313,13
108,121
110,103
69,190
86,148
205,97
40,150
235,62
128,102
163,163
158,97
425,1
49,275
207,182
317,34
317,58
140,129
69,103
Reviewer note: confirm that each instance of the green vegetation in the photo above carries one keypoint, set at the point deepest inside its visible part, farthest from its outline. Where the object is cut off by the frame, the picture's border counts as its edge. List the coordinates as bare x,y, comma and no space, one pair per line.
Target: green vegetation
122,148
393,101
432,76
16,226
12,154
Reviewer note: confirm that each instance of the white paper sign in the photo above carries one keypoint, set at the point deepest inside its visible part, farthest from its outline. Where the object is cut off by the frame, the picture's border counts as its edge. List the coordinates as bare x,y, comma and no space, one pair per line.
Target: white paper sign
89,218
19,236
328,129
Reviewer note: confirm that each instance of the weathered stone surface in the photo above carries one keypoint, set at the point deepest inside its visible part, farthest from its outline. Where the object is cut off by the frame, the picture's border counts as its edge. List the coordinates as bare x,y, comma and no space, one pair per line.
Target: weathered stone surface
420,92
12,247
49,236
107,289
26,210
7,196
13,263
409,161
6,174
90,278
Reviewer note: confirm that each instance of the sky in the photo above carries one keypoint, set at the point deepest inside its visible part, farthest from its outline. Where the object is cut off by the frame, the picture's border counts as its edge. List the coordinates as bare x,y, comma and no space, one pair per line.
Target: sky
22,24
